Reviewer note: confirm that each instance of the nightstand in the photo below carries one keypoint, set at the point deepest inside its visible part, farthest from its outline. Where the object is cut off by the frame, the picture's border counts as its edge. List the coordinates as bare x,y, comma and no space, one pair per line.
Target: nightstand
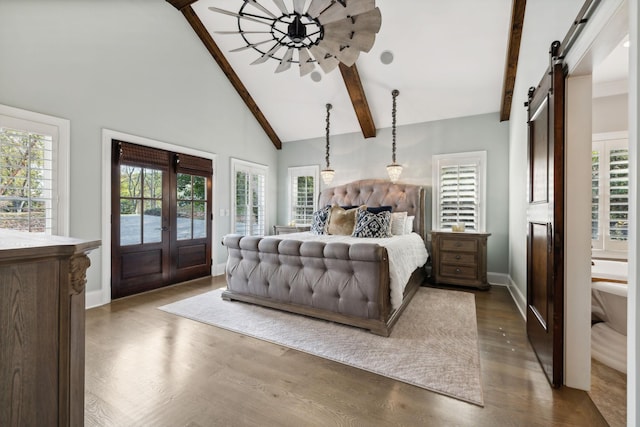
286,229
459,258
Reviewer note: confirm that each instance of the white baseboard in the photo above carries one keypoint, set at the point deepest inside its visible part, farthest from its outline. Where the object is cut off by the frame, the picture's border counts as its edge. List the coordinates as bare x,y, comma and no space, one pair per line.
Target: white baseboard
518,298
95,299
219,269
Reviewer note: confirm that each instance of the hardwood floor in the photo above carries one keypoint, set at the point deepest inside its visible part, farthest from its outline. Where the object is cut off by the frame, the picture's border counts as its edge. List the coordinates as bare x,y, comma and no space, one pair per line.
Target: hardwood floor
145,367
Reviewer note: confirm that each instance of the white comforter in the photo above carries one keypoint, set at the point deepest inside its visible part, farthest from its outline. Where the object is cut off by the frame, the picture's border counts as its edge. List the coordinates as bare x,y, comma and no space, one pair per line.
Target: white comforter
406,253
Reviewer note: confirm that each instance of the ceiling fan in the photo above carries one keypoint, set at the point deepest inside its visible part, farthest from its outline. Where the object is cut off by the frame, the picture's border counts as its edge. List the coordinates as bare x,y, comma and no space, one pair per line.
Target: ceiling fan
326,32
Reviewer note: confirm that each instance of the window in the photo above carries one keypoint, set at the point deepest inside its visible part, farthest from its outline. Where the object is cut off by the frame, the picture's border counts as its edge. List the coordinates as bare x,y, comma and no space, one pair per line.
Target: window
249,189
459,187
34,152
303,194
610,194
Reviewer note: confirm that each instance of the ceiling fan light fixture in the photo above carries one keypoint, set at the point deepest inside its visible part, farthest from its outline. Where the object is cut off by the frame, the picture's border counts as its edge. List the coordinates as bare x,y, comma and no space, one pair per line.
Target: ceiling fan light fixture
333,31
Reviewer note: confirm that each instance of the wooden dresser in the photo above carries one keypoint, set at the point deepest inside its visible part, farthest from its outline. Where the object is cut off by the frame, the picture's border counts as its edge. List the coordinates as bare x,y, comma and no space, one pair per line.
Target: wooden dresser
459,258
42,303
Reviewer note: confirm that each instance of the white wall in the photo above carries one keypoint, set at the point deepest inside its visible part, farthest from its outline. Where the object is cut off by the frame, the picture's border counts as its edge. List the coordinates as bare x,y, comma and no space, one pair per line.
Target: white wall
130,66
353,157
610,114
545,21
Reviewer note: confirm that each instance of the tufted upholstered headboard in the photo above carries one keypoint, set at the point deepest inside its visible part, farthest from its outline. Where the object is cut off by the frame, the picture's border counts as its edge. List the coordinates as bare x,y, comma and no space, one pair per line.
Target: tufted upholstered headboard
379,192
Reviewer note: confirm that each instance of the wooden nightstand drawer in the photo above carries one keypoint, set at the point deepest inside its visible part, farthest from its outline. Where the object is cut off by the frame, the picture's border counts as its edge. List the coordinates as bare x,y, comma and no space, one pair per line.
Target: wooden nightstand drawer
459,272
449,244
458,258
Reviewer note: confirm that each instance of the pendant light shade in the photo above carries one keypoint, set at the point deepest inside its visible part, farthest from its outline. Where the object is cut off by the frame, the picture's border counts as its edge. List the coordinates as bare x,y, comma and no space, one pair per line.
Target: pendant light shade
327,173
394,169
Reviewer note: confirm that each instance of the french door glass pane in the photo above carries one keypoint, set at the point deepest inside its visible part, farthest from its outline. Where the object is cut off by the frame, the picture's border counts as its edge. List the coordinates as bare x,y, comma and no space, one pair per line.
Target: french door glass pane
152,223
140,205
192,207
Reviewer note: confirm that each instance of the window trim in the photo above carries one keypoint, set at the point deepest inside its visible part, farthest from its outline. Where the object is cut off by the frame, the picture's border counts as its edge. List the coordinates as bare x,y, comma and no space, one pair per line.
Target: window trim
294,172
438,160
61,153
600,248
245,165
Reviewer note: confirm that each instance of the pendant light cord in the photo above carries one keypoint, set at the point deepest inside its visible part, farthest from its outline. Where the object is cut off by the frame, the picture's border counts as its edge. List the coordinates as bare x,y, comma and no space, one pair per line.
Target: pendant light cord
395,94
327,129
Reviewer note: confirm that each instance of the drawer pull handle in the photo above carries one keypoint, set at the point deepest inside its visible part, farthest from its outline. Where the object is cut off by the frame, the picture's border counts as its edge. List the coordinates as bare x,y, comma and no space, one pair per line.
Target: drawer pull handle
458,257
457,270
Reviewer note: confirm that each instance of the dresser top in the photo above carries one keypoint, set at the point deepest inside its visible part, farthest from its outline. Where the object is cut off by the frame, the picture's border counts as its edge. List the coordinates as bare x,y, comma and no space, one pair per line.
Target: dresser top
460,233
15,243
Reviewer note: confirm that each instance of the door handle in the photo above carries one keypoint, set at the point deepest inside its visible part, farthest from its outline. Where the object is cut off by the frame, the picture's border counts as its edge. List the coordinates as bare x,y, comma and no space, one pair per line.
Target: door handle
165,228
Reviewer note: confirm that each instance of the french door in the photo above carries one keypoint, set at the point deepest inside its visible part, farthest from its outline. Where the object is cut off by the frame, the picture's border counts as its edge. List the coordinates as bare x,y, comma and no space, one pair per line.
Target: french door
160,218
545,223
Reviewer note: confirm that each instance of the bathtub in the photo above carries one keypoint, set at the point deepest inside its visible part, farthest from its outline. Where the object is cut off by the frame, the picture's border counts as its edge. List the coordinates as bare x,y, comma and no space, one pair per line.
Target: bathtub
609,312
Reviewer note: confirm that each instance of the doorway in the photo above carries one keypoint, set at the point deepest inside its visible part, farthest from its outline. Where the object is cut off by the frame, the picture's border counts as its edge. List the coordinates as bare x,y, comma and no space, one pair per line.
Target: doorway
161,211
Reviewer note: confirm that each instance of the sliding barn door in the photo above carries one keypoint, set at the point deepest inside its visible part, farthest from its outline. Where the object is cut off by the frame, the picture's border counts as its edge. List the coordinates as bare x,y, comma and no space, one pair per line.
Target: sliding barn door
160,218
545,221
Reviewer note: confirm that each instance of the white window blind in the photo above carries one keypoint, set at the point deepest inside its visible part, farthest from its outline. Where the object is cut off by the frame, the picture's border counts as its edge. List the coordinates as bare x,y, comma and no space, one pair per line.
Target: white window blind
249,188
610,195
303,194
459,188
33,176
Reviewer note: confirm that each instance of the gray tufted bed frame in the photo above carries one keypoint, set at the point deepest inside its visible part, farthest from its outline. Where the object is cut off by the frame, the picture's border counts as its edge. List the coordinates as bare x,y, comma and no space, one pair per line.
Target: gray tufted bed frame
333,281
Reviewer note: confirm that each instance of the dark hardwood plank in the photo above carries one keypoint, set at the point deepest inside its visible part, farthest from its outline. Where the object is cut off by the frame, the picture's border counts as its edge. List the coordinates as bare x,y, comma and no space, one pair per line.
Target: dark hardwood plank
148,367
226,68
511,66
352,81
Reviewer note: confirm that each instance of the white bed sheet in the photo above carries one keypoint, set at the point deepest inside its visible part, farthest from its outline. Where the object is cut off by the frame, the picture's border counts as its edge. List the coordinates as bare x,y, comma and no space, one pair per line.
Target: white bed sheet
406,253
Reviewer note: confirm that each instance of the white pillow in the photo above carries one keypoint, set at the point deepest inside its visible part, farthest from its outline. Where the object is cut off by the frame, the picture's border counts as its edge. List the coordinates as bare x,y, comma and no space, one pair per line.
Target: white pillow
408,225
398,220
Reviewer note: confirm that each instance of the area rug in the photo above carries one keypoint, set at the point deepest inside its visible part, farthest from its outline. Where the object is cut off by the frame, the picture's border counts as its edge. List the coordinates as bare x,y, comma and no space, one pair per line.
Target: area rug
434,344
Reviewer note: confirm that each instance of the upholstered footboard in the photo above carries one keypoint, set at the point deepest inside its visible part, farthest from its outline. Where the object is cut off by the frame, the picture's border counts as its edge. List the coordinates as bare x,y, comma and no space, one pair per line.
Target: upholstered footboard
333,281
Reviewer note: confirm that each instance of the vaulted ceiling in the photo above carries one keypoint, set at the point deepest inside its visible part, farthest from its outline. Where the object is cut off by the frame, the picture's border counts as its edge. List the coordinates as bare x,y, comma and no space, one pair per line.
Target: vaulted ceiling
450,59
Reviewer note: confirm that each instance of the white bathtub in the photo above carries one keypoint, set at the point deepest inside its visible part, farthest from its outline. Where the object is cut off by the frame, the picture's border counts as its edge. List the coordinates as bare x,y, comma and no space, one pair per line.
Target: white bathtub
606,270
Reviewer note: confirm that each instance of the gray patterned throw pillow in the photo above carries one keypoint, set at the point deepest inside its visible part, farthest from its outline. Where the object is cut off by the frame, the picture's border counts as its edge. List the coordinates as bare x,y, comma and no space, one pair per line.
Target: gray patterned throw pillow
372,225
320,218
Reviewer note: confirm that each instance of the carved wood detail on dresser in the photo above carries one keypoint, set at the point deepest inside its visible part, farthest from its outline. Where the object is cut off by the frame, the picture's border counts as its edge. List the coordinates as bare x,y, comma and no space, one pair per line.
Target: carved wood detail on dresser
42,303
459,258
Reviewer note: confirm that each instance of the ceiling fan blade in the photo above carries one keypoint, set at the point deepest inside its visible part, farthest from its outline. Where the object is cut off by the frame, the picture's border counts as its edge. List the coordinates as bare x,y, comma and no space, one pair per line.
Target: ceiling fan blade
237,15
325,60
250,46
298,6
337,11
280,5
369,21
318,6
345,53
261,8
285,62
305,62
242,32
267,55
360,41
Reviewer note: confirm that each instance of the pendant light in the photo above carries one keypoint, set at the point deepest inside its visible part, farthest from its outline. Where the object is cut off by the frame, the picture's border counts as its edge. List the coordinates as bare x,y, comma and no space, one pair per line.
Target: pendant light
327,173
394,170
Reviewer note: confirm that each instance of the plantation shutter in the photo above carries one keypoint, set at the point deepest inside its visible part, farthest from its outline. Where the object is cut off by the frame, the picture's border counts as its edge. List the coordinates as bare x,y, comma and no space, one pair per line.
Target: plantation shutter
304,199
596,235
250,198
27,186
618,226
458,195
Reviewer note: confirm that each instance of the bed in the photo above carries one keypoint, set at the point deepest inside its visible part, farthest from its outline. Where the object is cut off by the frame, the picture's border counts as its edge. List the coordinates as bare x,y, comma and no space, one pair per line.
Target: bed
343,279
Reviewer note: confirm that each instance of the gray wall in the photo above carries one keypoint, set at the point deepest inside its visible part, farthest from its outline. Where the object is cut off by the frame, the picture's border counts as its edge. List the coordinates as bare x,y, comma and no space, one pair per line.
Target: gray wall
353,157
130,66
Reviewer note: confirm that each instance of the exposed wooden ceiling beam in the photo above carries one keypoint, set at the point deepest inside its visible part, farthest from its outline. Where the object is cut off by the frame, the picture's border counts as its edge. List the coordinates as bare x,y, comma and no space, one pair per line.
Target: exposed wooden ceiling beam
218,56
358,99
511,66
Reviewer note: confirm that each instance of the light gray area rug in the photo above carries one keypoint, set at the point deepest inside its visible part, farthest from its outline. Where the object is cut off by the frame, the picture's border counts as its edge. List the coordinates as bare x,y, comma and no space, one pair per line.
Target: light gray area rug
434,345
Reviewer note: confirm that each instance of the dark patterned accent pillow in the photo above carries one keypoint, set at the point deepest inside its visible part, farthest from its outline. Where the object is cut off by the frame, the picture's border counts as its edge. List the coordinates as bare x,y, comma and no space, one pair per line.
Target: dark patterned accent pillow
320,218
372,225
